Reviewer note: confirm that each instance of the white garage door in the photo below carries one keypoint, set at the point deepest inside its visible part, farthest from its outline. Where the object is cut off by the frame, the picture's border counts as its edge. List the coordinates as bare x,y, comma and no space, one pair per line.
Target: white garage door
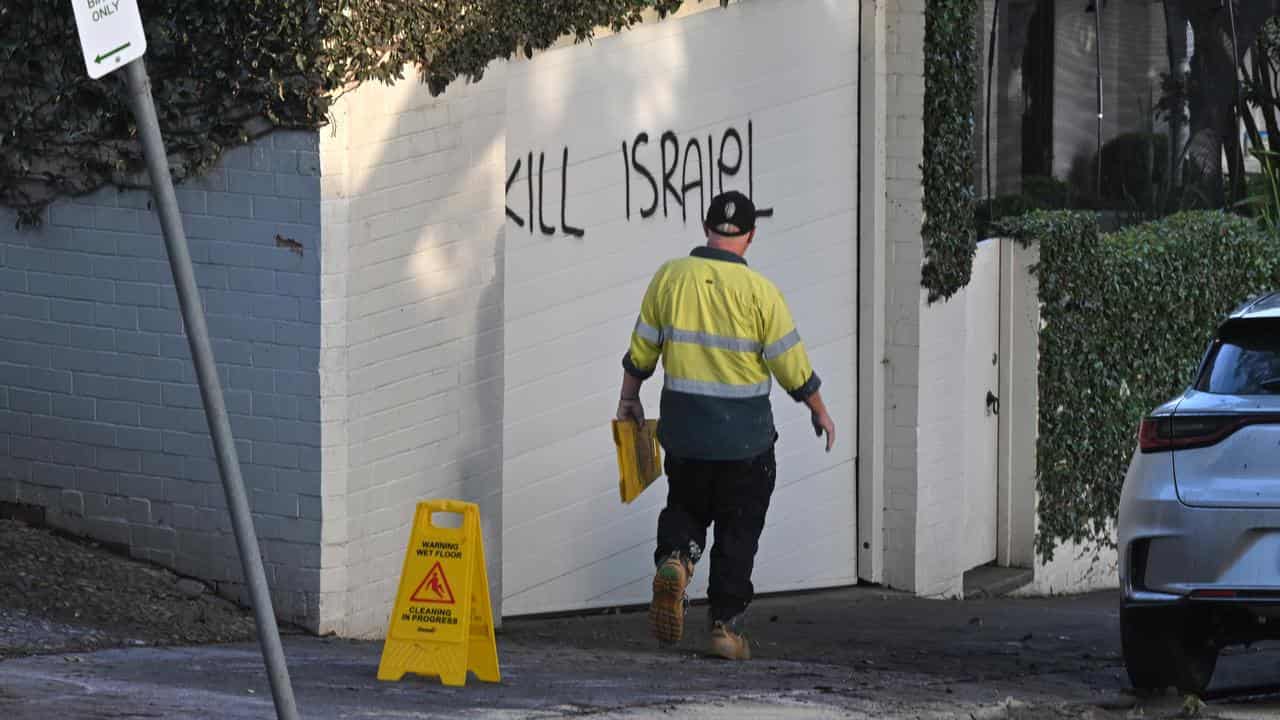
762,98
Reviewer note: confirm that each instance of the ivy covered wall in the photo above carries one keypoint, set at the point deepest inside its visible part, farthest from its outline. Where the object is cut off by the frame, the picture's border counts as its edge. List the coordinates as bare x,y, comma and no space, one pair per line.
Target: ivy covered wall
950,86
1126,318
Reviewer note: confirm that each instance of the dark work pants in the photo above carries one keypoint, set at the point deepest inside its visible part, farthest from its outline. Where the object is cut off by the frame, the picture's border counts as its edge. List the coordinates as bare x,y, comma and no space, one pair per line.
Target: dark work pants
733,496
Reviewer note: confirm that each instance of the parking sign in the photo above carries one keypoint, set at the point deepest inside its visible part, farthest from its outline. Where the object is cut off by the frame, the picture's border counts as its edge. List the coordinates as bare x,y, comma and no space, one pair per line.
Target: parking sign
110,34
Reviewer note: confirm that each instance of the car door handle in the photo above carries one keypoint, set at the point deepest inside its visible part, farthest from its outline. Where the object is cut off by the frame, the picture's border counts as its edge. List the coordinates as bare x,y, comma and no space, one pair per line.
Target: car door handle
993,404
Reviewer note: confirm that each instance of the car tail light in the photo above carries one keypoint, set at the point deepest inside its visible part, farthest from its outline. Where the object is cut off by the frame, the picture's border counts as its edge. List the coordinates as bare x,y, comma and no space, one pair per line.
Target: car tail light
1184,432
1218,594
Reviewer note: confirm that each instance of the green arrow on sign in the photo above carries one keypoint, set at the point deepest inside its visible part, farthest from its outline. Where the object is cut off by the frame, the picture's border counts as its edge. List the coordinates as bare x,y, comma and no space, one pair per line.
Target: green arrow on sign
108,54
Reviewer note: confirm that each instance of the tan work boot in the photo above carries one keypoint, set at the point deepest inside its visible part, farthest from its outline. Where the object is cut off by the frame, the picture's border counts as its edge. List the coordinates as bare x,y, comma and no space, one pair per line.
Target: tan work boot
667,611
727,644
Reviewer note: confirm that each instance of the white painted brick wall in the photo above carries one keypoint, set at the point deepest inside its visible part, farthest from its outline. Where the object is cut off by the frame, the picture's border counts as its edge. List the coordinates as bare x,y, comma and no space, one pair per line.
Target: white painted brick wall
100,417
411,364
904,213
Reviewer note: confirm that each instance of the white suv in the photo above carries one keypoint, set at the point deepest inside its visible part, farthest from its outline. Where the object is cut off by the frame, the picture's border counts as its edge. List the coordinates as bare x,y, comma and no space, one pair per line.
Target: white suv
1199,527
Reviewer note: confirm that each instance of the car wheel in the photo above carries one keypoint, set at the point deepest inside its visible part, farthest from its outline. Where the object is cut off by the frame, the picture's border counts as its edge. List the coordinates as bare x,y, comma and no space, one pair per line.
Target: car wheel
1144,634
1193,654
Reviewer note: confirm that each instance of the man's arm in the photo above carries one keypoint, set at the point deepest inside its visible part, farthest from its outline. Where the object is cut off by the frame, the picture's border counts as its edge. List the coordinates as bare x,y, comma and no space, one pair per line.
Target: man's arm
642,357
789,363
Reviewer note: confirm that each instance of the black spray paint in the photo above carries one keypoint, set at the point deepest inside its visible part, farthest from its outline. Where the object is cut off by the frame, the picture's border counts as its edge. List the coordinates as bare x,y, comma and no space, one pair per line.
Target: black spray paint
542,163
642,139
727,161
537,203
565,227
686,185
667,171
515,172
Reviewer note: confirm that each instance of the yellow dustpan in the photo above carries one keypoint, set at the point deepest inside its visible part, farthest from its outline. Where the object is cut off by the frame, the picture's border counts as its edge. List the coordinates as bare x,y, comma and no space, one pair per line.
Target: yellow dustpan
639,456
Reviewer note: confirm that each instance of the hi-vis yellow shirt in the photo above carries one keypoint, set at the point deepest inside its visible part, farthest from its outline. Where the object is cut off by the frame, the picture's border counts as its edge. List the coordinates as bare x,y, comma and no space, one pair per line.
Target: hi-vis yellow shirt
723,332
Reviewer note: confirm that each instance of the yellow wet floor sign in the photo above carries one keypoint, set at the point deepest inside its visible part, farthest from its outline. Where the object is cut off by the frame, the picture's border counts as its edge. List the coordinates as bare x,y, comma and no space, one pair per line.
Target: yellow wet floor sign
442,622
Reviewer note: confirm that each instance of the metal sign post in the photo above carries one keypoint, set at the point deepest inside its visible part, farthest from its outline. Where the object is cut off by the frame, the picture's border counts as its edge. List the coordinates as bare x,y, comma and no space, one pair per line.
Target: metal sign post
215,408
111,36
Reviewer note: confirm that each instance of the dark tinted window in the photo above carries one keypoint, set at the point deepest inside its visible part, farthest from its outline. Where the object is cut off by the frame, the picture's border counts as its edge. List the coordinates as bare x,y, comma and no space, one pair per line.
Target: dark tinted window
1044,141
1245,360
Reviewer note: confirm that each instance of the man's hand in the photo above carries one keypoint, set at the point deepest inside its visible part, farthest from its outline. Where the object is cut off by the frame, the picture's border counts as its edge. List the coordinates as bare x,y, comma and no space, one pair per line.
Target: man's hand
822,422
630,408
821,419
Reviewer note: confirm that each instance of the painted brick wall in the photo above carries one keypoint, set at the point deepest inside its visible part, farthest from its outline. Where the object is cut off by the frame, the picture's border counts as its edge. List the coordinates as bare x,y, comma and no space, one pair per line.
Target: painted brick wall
101,421
412,319
939,462
903,211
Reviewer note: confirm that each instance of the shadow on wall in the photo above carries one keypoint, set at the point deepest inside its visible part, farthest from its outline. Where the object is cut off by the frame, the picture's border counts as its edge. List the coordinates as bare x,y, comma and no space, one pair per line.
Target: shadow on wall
424,304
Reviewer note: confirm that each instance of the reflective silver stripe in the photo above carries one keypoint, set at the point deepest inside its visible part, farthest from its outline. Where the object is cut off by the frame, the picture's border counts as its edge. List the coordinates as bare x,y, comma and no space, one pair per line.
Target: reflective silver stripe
720,390
787,342
712,341
648,332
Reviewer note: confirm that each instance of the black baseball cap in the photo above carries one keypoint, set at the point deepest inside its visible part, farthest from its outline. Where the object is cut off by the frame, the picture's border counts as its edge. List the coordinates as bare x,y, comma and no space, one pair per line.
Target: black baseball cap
732,208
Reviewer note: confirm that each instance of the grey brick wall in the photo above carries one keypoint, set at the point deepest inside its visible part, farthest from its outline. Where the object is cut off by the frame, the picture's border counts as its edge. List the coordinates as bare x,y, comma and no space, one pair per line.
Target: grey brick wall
101,421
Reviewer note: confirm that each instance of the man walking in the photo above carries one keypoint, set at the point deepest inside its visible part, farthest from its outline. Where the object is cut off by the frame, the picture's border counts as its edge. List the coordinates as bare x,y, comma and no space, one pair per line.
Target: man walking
723,332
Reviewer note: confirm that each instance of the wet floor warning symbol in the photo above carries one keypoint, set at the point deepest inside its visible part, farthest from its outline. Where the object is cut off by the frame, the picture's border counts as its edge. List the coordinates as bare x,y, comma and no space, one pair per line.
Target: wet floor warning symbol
442,622
434,588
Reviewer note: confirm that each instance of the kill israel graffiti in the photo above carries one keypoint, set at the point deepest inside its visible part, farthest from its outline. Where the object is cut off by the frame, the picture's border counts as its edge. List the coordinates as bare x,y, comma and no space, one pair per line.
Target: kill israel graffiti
706,173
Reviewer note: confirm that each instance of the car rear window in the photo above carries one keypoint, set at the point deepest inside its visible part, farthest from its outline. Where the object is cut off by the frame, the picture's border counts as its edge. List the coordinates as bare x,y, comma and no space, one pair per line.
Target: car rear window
1245,360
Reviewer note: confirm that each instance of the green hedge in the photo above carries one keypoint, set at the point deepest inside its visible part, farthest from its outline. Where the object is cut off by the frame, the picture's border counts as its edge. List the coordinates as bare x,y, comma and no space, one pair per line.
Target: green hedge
224,71
950,86
1134,169
1126,320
